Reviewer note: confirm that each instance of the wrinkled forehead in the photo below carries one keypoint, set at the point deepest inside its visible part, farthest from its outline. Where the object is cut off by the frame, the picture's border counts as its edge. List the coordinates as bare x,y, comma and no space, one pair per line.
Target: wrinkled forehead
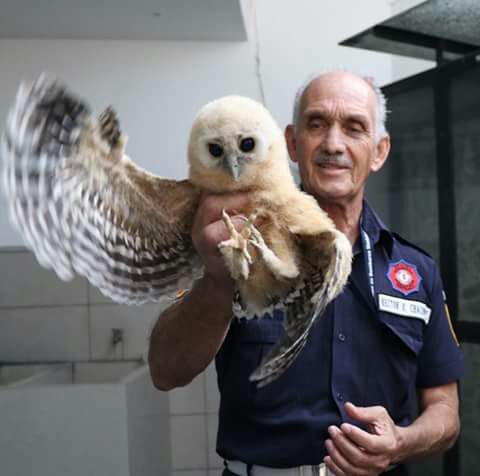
339,93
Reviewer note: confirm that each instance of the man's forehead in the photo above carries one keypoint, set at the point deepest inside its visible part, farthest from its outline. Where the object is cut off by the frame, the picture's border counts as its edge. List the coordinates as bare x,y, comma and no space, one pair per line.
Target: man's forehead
339,87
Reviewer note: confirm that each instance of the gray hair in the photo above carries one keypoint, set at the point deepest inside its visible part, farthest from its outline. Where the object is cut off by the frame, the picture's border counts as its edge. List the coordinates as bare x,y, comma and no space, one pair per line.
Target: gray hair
380,99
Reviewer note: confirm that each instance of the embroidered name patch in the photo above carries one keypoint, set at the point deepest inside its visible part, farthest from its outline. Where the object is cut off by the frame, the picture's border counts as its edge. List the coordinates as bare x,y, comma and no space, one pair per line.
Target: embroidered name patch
404,307
404,277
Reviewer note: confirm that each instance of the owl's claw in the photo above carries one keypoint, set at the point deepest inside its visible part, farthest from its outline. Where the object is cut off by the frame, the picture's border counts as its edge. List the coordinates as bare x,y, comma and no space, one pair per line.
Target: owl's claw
280,268
235,250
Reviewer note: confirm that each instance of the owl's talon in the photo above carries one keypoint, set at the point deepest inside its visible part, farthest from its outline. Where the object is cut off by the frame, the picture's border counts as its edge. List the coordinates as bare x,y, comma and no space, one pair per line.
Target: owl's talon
234,250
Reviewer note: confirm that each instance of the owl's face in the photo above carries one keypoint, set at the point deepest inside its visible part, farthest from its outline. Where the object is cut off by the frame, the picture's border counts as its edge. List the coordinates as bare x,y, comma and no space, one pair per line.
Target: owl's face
230,139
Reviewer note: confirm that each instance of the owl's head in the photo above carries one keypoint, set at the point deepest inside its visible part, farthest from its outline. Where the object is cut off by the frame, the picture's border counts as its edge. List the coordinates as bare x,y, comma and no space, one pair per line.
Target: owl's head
233,141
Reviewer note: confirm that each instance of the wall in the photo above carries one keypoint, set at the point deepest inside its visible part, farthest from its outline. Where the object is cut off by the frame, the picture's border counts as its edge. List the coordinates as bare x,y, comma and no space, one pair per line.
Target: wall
156,88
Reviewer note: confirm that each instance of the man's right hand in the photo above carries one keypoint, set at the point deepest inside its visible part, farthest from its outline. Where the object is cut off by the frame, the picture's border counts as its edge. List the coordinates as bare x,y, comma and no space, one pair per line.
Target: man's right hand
177,354
209,230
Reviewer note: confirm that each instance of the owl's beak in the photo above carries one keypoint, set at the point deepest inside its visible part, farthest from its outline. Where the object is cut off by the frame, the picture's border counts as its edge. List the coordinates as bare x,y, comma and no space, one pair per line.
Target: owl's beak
232,166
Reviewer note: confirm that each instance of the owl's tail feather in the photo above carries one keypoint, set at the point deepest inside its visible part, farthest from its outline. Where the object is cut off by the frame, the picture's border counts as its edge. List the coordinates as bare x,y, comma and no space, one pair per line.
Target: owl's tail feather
303,310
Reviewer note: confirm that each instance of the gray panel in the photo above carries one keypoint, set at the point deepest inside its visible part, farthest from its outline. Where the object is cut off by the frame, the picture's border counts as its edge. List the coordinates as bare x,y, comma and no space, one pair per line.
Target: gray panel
44,334
69,431
148,427
189,443
174,20
190,398
134,321
144,399
212,392
214,461
454,20
96,297
149,444
23,282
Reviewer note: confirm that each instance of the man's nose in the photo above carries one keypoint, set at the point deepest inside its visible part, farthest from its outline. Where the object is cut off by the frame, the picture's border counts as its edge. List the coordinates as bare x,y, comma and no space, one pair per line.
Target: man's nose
334,143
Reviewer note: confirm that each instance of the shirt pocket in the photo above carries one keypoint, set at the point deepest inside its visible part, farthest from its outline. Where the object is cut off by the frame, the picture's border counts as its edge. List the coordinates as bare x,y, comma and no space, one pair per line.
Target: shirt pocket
252,340
408,330
392,373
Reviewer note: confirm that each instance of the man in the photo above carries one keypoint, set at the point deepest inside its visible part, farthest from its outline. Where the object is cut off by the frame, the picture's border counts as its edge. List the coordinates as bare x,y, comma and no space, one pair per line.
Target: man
346,401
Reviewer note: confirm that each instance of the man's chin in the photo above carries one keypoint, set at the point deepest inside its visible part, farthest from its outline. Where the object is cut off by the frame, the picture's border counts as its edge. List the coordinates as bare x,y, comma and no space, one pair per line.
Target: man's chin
331,193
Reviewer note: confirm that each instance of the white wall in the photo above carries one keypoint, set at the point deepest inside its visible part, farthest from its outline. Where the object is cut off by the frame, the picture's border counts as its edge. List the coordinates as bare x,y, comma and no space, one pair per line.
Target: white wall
157,87
298,39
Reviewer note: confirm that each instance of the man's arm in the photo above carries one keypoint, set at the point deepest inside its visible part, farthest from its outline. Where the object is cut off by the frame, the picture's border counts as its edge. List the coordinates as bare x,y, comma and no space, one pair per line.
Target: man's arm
189,333
353,451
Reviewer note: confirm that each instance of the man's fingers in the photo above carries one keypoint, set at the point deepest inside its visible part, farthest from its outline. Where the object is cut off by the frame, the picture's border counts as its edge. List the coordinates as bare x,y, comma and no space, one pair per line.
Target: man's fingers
338,464
371,443
365,414
332,466
349,449
352,459
211,206
217,231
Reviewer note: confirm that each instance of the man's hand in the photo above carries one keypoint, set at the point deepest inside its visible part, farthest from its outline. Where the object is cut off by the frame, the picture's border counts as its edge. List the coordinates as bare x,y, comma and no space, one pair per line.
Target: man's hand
353,451
209,230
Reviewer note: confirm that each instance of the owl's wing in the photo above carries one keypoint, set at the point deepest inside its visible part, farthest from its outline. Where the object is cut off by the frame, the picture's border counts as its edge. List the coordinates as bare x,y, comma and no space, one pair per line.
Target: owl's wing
83,206
326,265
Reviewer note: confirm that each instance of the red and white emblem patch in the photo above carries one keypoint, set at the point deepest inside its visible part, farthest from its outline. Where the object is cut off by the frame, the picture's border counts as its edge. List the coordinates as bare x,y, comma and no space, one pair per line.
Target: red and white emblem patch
404,277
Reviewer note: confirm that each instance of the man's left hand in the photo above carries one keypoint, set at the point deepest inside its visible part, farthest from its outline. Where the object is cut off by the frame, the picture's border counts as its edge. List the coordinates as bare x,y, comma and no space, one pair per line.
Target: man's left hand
353,451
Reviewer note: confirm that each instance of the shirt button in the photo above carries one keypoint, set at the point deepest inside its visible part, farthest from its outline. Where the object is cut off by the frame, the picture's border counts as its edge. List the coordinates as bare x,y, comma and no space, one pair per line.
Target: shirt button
340,397
341,337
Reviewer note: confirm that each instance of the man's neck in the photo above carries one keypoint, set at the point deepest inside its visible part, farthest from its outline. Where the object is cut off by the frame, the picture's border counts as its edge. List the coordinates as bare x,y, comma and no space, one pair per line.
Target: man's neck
346,216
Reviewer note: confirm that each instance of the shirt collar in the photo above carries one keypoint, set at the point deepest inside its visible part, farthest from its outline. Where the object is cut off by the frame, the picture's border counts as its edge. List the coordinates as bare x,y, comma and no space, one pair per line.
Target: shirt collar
375,228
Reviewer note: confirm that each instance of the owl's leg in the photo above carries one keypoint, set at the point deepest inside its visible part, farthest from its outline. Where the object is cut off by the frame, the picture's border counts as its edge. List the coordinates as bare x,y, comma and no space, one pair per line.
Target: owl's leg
280,268
235,252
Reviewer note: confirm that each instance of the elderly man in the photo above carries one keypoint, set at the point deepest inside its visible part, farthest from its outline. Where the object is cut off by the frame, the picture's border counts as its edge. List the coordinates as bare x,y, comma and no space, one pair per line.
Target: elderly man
345,405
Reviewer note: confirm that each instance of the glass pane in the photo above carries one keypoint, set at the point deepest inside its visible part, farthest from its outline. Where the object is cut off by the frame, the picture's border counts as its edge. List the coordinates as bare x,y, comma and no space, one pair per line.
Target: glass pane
470,405
465,115
433,466
405,192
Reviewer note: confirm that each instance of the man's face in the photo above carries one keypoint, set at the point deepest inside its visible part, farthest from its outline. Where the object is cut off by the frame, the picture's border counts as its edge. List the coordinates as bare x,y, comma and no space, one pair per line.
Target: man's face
334,142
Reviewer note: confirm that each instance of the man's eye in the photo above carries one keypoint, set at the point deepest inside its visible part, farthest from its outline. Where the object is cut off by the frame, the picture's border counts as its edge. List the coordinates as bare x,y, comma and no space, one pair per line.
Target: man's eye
317,124
355,128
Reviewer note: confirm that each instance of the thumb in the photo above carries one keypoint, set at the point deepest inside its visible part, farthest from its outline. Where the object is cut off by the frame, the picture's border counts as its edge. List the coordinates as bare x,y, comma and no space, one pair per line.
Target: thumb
364,414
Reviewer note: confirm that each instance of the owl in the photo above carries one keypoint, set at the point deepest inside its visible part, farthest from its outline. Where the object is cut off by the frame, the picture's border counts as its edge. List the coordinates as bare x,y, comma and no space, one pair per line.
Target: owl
83,206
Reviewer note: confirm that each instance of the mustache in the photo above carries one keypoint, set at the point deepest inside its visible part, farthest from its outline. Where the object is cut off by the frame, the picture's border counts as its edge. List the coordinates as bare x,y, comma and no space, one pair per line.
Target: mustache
339,160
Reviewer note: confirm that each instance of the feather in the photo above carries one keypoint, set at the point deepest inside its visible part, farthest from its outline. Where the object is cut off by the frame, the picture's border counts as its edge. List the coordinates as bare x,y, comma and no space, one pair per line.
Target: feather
84,207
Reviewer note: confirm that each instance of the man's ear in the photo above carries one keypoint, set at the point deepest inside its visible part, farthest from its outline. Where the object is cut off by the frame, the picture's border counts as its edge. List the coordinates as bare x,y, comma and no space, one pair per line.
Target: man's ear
291,142
382,150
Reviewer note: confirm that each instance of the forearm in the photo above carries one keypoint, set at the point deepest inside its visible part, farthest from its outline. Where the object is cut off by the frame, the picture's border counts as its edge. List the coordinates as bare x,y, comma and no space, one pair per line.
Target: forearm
189,333
434,431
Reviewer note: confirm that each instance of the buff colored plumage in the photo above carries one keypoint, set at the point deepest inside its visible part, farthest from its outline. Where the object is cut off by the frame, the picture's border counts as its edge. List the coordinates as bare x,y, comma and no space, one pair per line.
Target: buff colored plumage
84,207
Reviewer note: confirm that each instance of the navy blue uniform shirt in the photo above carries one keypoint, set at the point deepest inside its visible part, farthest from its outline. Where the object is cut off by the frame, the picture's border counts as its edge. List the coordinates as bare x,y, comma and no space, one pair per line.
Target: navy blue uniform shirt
370,350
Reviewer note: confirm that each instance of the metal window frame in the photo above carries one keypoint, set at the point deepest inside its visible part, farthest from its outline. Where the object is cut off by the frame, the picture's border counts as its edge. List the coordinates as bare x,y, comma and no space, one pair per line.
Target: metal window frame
439,79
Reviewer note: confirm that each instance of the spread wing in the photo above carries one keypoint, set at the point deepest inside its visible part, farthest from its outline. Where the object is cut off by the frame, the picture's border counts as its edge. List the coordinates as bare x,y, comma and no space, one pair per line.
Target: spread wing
83,206
326,263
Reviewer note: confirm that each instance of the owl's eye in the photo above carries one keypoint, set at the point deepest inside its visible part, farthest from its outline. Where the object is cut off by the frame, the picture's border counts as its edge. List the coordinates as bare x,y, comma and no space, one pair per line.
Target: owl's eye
215,149
247,144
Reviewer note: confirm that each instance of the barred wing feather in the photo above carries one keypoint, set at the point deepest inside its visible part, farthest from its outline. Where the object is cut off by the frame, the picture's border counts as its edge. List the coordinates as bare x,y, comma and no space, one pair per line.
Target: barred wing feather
84,207
327,264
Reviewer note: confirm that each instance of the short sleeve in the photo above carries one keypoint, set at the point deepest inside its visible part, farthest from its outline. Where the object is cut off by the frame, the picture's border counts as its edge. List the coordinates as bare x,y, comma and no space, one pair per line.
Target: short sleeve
441,359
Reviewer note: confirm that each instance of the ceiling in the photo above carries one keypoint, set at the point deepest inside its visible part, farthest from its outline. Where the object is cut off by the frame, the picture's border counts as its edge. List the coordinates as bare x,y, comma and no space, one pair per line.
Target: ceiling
173,20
